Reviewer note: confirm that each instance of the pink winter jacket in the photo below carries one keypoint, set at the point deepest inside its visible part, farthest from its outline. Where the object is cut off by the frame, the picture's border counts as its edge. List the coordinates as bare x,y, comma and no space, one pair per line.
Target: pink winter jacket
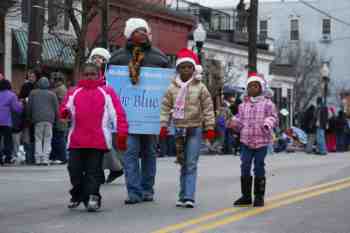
96,112
255,122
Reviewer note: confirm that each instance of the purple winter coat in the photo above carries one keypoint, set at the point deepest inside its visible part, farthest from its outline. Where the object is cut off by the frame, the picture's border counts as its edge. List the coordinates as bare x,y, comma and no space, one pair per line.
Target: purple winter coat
8,104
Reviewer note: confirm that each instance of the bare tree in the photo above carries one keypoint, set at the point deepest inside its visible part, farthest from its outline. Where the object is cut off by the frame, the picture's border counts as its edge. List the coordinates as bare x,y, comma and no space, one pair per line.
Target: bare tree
305,59
234,70
79,14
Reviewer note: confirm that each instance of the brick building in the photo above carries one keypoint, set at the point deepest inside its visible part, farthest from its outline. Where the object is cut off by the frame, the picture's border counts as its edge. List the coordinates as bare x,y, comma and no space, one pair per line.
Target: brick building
170,31
170,28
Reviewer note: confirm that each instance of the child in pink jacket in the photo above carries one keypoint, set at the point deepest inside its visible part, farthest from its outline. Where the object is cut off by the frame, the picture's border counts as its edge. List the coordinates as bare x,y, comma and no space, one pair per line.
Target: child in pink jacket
96,112
255,121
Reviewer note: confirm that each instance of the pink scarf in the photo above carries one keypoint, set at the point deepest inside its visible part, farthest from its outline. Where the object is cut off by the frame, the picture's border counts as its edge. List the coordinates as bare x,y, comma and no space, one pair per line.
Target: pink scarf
179,109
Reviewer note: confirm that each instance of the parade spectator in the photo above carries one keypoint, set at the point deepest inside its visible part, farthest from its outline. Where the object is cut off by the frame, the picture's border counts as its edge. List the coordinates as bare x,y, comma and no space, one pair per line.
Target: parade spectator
321,125
309,126
58,152
341,129
95,111
100,57
256,119
138,53
8,104
28,129
188,103
42,113
330,131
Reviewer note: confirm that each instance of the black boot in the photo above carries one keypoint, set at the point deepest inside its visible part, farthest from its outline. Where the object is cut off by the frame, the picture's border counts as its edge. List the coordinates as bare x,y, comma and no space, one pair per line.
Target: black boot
246,188
259,191
114,175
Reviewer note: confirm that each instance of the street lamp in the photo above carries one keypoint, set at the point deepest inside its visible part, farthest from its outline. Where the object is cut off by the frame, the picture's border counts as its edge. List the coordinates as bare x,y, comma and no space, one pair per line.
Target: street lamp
199,36
325,79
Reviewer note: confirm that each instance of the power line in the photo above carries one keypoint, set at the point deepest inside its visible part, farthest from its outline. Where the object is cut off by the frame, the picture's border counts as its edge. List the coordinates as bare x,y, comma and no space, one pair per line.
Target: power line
324,13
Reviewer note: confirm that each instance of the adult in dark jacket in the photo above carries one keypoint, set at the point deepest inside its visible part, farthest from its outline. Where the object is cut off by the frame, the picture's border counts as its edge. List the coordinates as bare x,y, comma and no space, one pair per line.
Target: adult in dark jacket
28,130
58,153
309,126
341,127
8,104
138,53
42,112
321,124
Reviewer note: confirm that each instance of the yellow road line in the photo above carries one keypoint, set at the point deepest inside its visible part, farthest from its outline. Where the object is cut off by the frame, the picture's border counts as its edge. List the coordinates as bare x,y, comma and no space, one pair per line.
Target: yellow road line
219,213
256,211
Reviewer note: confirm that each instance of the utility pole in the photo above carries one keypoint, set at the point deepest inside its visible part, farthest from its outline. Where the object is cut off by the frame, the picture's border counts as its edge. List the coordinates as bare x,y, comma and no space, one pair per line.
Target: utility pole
252,35
35,33
105,21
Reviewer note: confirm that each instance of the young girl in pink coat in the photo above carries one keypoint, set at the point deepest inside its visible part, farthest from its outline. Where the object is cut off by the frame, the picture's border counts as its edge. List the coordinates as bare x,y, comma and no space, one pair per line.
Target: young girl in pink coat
95,111
256,118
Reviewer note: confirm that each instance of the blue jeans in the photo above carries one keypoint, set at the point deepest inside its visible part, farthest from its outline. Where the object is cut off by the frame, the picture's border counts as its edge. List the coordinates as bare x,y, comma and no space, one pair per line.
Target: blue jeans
321,141
167,146
140,177
247,156
341,141
58,145
188,173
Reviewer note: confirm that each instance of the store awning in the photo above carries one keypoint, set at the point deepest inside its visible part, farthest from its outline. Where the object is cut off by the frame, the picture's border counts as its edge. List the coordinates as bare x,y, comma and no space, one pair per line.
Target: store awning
55,52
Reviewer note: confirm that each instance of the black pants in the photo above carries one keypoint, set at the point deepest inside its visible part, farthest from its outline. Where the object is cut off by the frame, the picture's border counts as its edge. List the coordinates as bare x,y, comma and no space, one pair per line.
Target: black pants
84,167
6,144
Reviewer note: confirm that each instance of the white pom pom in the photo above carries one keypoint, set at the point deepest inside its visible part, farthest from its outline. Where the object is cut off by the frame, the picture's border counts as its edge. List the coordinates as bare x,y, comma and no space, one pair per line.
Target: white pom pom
199,69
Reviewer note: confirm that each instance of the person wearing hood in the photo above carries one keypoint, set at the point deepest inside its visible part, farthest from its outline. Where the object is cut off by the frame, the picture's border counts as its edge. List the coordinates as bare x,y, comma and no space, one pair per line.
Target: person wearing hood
189,105
42,112
256,119
138,53
8,104
96,112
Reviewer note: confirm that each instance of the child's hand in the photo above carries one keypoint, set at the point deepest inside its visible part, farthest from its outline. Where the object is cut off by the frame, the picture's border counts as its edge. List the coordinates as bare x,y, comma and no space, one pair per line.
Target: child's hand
232,123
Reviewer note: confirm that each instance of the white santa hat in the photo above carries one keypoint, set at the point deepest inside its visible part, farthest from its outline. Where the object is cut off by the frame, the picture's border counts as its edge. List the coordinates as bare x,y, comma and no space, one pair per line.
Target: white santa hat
133,24
187,55
100,52
255,77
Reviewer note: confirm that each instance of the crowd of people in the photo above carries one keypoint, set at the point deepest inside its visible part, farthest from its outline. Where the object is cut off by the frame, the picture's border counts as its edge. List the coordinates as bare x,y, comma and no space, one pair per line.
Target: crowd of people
87,127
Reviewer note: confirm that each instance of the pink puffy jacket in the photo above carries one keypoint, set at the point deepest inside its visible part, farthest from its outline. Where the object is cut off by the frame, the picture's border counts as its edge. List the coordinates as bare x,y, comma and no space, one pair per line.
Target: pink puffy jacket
96,112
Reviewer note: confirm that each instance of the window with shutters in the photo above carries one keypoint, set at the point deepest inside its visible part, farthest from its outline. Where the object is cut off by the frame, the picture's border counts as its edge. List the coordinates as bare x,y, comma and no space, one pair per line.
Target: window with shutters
326,26
294,29
57,15
263,29
25,10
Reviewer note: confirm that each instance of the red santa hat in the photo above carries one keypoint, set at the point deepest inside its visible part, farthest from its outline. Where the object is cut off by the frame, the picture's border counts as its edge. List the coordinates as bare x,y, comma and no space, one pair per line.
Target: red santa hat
255,77
187,55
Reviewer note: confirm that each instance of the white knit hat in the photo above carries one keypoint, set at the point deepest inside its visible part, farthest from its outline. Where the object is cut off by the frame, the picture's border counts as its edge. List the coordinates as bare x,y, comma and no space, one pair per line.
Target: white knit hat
100,52
254,77
135,23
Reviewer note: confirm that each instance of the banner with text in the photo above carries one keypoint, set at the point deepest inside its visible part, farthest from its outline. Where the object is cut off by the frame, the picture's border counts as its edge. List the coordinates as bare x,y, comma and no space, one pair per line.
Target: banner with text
142,101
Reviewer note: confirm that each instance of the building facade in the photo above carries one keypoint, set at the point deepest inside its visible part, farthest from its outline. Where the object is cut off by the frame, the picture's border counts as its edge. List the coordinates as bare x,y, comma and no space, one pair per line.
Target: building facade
321,22
170,31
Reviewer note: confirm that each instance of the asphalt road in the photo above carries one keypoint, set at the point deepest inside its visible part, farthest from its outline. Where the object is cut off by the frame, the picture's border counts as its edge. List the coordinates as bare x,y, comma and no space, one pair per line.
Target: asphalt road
303,196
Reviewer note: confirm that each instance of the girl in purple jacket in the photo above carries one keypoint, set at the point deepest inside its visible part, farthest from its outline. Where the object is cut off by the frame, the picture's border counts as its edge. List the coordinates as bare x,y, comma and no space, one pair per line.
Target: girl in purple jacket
256,118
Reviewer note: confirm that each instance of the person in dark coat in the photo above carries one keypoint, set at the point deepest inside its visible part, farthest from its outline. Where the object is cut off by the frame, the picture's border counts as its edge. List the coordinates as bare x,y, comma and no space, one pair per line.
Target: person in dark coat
28,129
138,53
341,127
321,124
309,126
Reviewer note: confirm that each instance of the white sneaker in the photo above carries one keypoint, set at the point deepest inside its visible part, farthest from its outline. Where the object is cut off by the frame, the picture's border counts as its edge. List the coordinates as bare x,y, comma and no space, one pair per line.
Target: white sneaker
189,204
180,203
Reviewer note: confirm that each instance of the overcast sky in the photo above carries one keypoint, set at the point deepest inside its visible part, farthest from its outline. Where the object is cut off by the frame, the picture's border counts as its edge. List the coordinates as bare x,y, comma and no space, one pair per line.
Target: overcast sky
227,3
